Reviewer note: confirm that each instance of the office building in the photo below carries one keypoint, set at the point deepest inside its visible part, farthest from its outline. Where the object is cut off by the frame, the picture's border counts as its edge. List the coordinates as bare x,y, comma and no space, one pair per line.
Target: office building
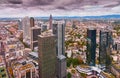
35,31
50,22
61,66
32,22
73,25
20,25
105,47
22,69
91,46
59,32
26,28
47,55
43,27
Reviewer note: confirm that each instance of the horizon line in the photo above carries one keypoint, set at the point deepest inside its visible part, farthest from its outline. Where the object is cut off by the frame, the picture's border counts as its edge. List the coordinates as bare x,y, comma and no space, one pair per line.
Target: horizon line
64,16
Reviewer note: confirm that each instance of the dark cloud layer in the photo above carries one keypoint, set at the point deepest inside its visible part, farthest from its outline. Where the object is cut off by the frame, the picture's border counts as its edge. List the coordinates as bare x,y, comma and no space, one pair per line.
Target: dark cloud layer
61,5
15,1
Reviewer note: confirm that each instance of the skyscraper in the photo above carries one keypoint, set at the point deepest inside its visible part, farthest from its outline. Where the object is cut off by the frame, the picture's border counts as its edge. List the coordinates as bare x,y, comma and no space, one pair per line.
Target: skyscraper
35,31
91,46
20,25
43,27
26,28
47,55
105,47
59,32
73,25
61,66
50,22
32,22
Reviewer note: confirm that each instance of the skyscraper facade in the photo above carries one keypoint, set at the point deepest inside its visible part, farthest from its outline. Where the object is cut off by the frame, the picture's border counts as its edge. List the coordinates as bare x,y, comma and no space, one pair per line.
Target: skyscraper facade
59,32
91,47
43,27
26,28
61,66
73,25
50,22
20,25
35,31
32,22
47,55
105,47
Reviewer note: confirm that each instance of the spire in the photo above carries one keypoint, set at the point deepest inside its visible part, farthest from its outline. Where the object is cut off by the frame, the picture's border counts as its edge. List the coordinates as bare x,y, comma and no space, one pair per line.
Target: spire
50,22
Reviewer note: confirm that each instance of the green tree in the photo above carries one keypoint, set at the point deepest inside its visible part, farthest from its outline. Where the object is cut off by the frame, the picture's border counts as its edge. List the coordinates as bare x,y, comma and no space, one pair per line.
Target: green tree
69,61
75,62
69,75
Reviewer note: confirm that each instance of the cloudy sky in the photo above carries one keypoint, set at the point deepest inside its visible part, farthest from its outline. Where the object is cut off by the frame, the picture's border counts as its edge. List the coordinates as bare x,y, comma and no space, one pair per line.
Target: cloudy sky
21,8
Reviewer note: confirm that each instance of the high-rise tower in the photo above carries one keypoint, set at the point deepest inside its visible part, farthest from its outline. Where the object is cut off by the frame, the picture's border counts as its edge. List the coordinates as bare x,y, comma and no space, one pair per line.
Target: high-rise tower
32,22
47,55
26,28
91,46
105,47
59,32
50,22
35,31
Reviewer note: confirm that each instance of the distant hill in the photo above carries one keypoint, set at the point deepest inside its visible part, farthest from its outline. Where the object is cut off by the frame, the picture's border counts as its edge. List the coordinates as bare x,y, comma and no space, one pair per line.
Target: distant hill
103,16
72,17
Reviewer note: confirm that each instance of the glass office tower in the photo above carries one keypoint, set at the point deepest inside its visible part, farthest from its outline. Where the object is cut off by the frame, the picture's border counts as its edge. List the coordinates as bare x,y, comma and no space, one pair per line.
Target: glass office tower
91,47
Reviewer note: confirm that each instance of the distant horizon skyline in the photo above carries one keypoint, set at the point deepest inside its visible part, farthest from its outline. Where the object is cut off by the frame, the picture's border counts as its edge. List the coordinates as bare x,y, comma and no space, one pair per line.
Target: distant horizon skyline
34,8
95,16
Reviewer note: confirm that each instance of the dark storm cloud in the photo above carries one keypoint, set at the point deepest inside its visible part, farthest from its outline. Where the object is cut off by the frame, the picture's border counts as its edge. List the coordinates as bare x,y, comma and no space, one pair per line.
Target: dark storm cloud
59,4
15,1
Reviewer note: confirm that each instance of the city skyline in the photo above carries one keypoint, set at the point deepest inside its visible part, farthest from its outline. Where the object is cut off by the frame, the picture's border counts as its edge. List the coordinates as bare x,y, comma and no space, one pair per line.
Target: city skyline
21,8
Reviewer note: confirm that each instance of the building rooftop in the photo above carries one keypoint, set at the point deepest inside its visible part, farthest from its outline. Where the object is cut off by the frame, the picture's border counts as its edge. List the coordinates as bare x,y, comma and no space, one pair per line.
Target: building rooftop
36,27
46,34
61,57
91,28
34,54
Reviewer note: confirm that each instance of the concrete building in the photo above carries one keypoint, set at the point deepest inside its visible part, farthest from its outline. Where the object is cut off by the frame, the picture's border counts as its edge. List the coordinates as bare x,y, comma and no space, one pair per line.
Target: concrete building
91,47
21,69
43,27
47,55
61,66
35,31
117,46
20,27
116,71
73,25
26,28
32,22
